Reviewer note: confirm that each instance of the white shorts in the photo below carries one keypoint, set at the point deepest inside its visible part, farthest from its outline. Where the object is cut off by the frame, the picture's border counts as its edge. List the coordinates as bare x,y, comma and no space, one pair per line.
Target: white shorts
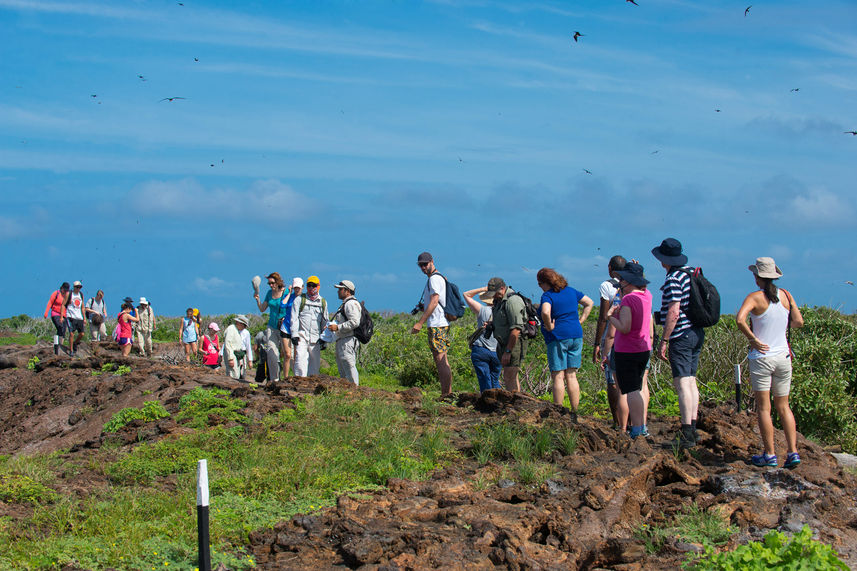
776,370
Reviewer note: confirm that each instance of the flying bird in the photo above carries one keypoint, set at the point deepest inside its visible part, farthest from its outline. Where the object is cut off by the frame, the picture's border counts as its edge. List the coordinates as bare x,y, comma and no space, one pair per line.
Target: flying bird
849,282
196,59
577,35
632,2
795,90
850,132
170,99
93,96
587,171
141,77
655,152
747,10
717,110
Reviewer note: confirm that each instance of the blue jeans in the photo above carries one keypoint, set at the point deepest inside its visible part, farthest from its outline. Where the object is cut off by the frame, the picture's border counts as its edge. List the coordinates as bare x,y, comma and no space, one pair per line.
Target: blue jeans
487,367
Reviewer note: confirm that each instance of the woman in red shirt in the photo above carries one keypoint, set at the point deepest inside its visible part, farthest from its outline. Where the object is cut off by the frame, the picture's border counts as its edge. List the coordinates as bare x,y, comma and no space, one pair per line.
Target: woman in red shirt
56,311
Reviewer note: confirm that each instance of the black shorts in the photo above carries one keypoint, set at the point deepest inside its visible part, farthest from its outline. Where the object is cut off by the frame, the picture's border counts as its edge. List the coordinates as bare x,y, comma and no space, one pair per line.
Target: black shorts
684,352
630,368
75,325
59,323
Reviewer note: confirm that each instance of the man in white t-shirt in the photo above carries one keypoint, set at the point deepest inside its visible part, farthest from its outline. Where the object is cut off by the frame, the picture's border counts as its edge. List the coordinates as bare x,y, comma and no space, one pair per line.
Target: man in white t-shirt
433,303
74,317
609,293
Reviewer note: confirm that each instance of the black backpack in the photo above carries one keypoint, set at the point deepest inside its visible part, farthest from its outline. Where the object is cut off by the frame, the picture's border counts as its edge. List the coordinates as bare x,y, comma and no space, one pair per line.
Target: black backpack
366,327
704,307
534,321
454,307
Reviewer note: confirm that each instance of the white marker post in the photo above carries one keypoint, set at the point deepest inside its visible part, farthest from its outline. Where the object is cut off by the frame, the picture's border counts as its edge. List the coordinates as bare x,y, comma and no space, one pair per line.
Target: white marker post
202,515
738,386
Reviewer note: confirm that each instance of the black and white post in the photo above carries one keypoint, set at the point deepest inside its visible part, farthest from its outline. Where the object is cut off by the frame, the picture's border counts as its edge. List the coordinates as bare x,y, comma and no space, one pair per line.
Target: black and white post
738,386
202,515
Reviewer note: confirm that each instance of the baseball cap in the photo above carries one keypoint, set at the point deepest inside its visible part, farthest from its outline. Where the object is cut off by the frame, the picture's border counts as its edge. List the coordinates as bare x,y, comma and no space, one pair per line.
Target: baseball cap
77,284
313,280
347,284
424,258
297,282
495,284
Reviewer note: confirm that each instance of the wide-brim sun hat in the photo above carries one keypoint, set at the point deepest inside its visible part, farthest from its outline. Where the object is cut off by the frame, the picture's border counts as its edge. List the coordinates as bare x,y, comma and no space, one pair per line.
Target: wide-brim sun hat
765,267
487,297
243,320
633,274
669,252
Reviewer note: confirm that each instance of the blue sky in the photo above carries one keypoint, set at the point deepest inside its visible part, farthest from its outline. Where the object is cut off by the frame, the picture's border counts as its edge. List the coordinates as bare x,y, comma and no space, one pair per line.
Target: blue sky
343,138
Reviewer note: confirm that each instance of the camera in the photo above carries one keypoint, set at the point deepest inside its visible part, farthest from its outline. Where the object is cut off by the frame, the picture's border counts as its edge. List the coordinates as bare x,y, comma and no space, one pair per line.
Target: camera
489,330
659,318
419,308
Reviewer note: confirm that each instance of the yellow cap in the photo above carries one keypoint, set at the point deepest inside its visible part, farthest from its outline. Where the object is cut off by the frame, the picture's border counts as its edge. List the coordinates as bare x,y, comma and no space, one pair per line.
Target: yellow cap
313,280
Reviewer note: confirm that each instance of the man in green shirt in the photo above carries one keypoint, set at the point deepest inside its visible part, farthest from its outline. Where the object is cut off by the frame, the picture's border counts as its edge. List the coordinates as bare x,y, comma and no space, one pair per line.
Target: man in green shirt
509,317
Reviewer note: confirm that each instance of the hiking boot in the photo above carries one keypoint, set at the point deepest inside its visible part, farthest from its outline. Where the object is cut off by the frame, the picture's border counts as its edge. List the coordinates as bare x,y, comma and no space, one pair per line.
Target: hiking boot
683,440
572,415
792,460
763,460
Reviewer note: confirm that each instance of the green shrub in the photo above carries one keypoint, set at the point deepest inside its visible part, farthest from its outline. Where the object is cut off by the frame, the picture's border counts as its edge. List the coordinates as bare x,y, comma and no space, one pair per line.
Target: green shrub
203,406
24,489
151,410
776,551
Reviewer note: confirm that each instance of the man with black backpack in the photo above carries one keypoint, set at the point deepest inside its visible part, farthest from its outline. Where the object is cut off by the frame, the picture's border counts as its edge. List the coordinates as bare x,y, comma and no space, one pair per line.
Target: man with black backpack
432,304
345,321
682,339
510,321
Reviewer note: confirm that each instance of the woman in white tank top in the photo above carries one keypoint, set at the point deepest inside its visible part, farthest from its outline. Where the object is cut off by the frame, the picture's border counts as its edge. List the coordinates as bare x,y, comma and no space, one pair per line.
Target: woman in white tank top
771,311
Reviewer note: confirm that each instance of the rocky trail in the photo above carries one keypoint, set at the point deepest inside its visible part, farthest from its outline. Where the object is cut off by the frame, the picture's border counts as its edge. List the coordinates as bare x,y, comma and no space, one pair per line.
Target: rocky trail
464,516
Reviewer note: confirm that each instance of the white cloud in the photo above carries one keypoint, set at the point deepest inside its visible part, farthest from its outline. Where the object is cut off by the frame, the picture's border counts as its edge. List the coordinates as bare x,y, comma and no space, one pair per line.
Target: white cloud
213,286
268,200
818,206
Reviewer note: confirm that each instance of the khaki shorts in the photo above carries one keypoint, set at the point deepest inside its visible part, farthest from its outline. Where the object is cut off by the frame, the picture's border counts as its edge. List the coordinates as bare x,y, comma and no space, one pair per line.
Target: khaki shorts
438,339
776,370
517,355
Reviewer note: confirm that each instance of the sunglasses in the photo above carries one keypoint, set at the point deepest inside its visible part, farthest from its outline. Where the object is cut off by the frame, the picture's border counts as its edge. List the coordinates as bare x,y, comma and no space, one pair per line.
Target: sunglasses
423,264
312,285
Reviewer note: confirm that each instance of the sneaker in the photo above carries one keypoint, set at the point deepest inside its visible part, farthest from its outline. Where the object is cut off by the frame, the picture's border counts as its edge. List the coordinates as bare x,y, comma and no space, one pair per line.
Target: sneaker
645,431
762,460
792,460
638,431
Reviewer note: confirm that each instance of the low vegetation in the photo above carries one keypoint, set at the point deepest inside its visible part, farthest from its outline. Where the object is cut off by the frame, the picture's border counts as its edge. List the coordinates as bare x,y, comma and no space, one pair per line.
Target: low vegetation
294,461
775,551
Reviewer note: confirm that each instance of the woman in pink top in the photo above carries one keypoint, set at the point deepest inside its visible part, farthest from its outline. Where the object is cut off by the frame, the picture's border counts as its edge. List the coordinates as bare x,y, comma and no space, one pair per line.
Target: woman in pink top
124,320
211,347
632,347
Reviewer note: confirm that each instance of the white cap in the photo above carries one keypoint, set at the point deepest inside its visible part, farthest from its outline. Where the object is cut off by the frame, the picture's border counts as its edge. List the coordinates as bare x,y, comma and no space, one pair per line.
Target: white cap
77,283
143,301
297,282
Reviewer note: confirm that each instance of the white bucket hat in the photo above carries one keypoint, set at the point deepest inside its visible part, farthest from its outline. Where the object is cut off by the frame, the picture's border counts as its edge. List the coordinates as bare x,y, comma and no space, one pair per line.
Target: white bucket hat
765,267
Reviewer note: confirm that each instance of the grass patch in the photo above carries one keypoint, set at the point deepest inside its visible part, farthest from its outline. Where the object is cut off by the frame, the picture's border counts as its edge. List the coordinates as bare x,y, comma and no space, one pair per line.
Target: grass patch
19,339
305,458
507,440
692,524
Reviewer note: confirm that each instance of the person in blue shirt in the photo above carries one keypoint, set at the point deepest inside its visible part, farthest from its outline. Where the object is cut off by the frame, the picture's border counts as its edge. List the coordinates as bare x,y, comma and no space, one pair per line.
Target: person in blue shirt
563,333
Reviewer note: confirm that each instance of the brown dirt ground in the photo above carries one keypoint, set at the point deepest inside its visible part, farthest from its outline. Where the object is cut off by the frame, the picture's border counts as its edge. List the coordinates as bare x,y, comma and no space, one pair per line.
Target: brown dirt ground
583,518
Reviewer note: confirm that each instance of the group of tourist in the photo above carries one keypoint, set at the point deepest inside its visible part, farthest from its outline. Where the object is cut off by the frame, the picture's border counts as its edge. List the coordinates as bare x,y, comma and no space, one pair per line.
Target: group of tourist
68,312
299,326
624,342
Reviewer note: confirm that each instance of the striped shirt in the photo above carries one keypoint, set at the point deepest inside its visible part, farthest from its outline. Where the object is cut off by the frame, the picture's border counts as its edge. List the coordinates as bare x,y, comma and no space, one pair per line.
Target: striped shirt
677,288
